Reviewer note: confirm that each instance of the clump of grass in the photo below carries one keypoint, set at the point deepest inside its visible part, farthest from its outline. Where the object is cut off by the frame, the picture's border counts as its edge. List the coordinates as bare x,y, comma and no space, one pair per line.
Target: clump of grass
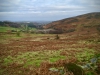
8,60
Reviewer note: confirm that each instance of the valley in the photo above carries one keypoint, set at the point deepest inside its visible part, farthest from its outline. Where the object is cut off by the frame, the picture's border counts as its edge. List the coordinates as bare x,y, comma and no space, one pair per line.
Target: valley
71,52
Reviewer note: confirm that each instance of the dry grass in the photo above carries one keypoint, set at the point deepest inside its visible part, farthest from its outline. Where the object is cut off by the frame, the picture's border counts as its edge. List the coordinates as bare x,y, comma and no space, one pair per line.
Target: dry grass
35,55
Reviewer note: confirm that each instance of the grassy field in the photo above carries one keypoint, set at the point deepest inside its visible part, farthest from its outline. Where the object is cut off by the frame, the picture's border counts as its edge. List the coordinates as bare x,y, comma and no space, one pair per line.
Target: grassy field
5,29
30,54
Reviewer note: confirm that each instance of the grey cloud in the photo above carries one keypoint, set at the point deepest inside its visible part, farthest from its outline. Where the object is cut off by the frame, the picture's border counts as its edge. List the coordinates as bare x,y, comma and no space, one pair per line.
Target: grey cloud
90,2
8,5
46,9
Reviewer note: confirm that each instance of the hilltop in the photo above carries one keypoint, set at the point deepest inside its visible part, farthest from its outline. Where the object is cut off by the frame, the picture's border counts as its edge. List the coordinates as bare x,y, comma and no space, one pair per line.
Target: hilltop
83,23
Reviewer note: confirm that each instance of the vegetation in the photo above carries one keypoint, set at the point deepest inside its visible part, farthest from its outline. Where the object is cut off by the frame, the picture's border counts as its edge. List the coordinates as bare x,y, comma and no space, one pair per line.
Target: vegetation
77,70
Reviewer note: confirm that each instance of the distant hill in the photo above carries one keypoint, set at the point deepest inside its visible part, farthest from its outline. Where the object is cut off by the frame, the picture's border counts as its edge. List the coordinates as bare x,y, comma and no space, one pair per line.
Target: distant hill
88,22
18,24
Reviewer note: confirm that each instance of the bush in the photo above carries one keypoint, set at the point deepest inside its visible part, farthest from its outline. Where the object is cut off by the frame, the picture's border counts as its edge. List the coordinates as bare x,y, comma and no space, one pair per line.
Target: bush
70,30
77,70
90,73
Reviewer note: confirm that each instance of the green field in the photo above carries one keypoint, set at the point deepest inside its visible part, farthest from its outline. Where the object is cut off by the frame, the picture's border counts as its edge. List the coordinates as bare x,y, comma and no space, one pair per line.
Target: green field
5,29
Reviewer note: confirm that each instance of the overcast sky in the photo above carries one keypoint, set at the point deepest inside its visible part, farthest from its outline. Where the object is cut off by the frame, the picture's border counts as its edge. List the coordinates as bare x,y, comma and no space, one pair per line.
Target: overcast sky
45,10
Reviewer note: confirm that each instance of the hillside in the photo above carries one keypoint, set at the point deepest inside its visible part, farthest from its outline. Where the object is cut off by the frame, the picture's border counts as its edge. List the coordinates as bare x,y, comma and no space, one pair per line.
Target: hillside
88,22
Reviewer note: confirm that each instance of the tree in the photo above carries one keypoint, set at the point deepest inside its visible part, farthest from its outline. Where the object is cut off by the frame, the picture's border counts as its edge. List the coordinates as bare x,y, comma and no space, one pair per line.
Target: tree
18,33
57,37
25,28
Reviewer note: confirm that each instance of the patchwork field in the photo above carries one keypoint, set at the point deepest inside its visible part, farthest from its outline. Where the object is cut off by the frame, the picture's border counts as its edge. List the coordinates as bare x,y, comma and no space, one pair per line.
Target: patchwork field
44,54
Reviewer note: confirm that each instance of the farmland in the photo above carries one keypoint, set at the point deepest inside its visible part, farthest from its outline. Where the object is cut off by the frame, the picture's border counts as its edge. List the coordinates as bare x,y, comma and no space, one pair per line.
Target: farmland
37,54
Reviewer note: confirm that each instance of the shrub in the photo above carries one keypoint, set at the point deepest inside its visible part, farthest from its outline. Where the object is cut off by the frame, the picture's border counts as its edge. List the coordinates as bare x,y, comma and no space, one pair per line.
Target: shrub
70,30
77,70
90,73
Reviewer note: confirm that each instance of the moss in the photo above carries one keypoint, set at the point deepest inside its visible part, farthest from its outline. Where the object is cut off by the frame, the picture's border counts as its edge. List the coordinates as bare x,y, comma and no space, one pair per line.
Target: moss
77,70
